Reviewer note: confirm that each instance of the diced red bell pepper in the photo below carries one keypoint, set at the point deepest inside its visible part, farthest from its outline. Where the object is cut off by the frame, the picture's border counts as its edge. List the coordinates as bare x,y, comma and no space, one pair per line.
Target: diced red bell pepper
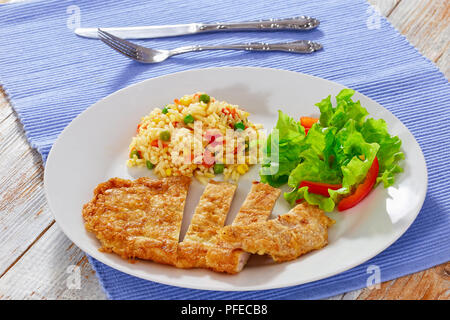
308,122
208,158
154,143
228,110
319,187
363,189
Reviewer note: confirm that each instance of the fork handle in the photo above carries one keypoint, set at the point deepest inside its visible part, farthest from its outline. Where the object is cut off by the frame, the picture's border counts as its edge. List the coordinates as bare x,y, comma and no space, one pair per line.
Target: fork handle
295,23
301,46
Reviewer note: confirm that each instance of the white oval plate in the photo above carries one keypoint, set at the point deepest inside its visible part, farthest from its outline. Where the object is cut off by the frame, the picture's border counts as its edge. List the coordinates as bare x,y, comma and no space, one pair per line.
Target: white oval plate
94,148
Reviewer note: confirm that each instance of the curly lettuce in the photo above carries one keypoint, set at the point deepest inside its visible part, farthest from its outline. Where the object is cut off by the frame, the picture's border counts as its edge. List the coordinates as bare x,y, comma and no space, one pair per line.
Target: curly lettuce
282,151
339,149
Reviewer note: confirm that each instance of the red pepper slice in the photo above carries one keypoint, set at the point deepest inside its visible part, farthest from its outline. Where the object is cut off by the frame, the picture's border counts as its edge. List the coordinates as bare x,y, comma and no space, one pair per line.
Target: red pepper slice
308,122
319,187
154,143
363,189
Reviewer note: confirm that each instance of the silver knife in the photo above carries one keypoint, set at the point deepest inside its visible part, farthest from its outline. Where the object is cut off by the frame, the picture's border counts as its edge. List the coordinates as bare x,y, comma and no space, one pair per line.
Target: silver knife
144,32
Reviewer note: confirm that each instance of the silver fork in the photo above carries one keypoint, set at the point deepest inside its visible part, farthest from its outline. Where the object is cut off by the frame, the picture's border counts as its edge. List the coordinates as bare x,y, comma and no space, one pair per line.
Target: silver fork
148,55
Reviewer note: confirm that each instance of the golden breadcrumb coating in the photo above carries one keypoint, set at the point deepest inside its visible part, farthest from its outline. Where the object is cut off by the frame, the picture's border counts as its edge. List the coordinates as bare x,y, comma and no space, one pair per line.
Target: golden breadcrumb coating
290,235
257,207
138,219
208,220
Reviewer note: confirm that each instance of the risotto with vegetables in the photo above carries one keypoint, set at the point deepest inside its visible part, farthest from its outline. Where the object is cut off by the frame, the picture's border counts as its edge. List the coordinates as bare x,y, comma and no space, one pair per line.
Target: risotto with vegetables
199,136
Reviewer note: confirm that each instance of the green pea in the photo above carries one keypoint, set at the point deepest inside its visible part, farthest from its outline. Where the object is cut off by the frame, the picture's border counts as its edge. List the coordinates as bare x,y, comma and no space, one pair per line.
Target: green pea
204,98
188,119
239,125
165,110
218,168
135,153
149,165
164,135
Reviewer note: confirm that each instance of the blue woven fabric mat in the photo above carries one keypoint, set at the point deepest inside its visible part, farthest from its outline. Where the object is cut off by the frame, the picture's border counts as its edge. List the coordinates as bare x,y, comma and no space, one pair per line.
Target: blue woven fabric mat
51,75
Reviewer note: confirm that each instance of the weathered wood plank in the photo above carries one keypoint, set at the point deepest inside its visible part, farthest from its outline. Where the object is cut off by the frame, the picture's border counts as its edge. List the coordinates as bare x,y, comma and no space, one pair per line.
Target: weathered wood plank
25,217
384,7
425,23
443,62
431,284
53,269
23,211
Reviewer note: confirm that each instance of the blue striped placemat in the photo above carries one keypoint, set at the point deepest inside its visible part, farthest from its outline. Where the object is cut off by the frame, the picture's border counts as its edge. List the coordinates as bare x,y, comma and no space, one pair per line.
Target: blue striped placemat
51,75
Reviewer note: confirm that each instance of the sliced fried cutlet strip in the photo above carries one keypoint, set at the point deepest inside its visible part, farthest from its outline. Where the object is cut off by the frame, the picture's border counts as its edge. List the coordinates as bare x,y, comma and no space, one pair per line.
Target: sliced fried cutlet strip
208,220
290,235
138,219
257,207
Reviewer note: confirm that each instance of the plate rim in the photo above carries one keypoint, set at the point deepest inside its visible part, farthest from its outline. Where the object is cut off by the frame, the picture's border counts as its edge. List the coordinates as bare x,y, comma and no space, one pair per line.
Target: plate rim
95,253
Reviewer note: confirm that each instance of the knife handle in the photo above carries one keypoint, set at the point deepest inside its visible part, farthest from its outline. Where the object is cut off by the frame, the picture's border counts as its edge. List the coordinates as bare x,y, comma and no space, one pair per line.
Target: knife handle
300,46
295,23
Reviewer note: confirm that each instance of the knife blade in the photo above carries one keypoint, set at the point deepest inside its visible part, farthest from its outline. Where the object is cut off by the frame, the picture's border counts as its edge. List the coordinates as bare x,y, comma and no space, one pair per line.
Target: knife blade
145,32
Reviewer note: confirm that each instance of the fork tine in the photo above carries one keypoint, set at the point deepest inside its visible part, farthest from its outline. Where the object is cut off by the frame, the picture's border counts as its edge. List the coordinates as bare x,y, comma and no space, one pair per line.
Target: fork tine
118,49
119,40
119,44
131,53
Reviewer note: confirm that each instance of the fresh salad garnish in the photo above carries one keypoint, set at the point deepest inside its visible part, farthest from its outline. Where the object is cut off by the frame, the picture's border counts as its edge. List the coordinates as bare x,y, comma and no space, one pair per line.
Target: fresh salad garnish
334,160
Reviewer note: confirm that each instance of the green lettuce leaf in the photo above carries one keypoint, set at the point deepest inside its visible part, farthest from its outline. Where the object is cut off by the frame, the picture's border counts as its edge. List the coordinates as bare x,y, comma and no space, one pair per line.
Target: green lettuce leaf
345,110
324,203
288,144
354,157
314,165
339,149
389,153
326,111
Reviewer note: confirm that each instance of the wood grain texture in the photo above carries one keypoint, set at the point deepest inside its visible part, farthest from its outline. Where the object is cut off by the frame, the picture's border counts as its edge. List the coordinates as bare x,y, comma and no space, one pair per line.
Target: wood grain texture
431,284
28,232
443,62
384,7
425,23
36,258
23,211
54,269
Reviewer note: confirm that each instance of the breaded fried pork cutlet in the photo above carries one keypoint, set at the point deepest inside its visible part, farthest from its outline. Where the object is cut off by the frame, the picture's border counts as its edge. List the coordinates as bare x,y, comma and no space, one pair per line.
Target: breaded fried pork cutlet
256,208
290,235
209,218
138,219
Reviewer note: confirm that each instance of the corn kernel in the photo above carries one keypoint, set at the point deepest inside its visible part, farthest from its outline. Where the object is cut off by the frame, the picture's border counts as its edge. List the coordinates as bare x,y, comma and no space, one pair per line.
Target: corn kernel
242,168
168,172
186,100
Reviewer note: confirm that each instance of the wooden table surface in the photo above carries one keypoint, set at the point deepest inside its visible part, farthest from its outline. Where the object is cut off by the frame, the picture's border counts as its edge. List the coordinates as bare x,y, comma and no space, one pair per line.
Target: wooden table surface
37,261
